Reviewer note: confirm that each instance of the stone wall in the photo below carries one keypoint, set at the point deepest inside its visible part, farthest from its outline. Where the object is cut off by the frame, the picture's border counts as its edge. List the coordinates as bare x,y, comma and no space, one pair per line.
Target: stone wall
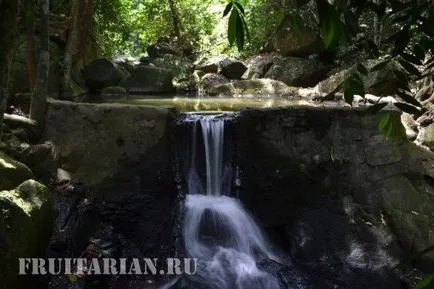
336,192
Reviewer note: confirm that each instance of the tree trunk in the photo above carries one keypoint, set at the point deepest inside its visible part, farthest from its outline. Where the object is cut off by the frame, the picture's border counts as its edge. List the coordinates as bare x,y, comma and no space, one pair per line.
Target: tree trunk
81,14
31,60
8,25
175,18
39,95
70,50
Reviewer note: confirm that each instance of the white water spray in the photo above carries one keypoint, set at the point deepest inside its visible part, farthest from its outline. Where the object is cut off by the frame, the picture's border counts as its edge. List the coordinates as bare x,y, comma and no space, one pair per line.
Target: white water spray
217,230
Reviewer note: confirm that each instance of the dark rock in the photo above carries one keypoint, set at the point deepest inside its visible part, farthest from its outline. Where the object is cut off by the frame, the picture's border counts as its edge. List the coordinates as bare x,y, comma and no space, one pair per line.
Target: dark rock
314,158
258,66
210,80
101,73
297,71
293,41
149,79
209,65
232,68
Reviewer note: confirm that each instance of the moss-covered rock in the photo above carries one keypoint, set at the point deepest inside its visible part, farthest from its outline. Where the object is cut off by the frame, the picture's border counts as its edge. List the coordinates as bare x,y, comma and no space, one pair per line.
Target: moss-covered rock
12,172
25,227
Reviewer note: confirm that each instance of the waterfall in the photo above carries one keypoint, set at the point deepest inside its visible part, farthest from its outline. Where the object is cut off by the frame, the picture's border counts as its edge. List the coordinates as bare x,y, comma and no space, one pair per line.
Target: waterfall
217,230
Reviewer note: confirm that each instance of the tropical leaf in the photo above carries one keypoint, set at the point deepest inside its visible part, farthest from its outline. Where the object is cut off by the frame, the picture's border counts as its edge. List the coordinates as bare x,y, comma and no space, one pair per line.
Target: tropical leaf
228,8
380,65
239,7
407,108
239,32
409,67
402,38
407,97
373,109
232,27
353,85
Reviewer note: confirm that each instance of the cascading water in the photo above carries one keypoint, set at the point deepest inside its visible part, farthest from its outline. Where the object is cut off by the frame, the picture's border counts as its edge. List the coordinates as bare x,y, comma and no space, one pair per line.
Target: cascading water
217,230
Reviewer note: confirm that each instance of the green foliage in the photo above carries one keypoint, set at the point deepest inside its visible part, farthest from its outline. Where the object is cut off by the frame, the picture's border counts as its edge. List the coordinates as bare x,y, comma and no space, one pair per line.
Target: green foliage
391,126
112,26
409,46
237,26
128,27
427,283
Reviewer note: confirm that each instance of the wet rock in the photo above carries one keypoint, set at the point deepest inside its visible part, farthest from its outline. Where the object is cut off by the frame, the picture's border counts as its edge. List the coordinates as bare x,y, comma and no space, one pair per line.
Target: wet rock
232,68
297,71
101,73
12,172
25,227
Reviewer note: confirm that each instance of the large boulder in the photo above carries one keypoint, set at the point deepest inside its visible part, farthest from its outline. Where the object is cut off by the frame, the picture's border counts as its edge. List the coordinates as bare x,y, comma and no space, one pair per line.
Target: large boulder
149,79
232,68
180,67
25,227
209,64
101,73
383,82
290,40
253,88
210,80
12,172
19,76
296,71
258,65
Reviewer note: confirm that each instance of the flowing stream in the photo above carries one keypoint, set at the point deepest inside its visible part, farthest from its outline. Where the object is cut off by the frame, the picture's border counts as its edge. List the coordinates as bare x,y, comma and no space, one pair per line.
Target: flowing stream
217,230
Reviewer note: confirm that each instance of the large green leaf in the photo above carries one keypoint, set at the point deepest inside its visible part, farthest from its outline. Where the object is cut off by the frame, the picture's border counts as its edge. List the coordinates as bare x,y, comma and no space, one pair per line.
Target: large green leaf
228,8
239,31
232,27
